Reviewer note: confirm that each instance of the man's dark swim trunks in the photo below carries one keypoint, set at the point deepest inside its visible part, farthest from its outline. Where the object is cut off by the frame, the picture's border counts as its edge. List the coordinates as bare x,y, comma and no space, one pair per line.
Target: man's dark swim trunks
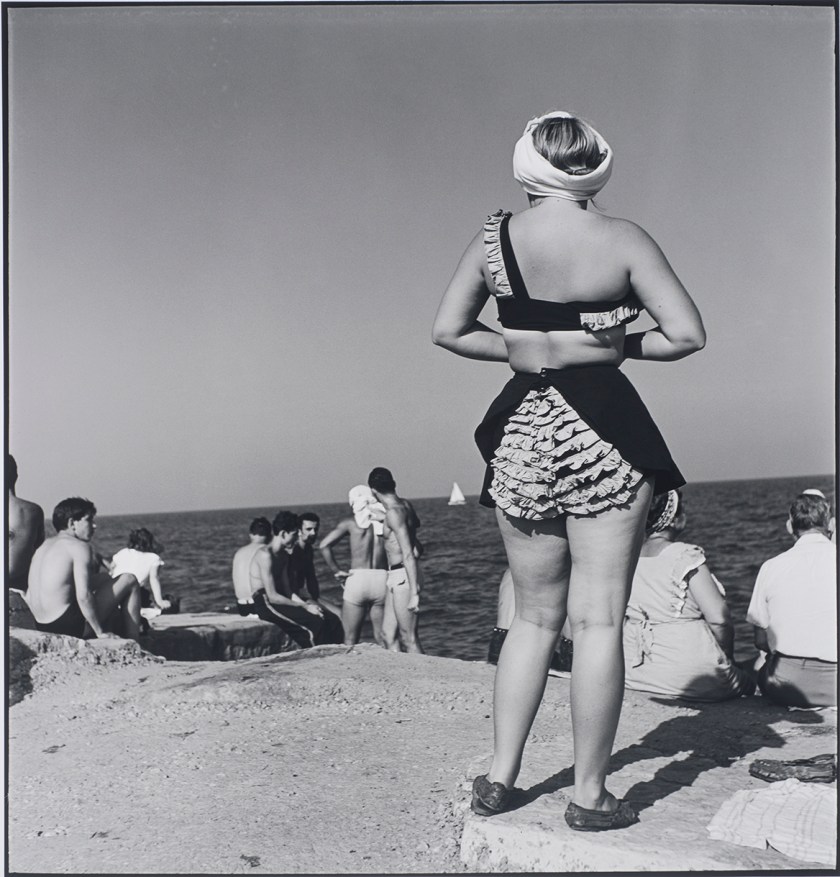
70,623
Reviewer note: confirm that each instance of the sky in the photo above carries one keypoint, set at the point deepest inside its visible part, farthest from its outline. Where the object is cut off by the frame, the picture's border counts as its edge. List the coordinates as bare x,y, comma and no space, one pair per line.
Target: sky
230,228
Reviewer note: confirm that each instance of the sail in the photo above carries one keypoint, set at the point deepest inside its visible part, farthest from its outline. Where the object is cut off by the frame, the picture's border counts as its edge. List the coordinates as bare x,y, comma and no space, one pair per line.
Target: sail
457,495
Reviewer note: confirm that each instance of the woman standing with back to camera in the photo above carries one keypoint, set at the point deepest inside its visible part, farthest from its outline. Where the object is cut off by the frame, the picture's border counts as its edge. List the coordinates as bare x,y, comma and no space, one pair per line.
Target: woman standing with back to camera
573,455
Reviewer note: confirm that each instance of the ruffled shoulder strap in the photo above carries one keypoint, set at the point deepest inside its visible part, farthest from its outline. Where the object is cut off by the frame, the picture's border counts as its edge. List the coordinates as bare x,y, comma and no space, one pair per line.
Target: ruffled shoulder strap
685,559
493,250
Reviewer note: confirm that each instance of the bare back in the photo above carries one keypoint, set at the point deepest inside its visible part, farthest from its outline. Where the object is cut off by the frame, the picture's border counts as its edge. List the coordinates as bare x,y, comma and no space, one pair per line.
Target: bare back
572,255
25,533
52,586
402,512
367,550
241,572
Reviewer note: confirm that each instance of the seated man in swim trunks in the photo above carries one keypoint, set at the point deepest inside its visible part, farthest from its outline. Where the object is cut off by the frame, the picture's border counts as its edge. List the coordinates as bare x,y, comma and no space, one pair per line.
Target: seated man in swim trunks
365,584
66,594
405,580
260,533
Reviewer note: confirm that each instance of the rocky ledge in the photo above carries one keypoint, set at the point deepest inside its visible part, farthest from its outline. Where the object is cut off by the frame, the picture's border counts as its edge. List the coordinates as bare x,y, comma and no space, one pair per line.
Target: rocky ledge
336,760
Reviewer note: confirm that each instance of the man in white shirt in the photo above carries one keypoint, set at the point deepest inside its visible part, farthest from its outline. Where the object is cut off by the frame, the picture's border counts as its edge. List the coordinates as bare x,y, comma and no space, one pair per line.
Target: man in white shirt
794,610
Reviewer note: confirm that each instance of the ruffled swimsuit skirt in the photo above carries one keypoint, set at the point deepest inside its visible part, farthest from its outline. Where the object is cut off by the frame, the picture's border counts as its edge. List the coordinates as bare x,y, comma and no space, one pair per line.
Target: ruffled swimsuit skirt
573,441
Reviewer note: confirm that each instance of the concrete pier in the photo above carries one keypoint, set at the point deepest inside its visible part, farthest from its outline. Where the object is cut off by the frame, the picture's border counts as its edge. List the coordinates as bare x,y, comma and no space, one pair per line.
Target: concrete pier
676,763
191,636
230,767
214,636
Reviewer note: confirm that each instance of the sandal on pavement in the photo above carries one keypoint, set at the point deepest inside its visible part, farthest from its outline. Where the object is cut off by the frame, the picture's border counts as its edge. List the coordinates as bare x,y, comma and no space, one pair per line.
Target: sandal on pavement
581,819
488,798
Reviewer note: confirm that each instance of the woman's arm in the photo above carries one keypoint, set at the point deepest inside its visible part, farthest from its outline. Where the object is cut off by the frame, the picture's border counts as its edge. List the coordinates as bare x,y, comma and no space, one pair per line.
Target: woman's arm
713,606
456,325
679,330
154,583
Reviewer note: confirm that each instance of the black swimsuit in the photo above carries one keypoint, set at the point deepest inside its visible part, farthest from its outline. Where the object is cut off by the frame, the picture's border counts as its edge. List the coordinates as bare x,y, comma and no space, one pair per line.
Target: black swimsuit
517,310
576,440
70,623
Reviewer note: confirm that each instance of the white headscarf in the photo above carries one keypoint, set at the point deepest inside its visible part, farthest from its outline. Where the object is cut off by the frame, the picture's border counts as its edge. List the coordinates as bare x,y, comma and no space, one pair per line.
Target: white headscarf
366,510
538,176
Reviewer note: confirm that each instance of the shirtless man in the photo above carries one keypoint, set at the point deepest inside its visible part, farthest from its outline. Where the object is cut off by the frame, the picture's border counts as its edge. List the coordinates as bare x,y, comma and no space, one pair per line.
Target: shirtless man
260,534
66,594
402,548
365,584
25,532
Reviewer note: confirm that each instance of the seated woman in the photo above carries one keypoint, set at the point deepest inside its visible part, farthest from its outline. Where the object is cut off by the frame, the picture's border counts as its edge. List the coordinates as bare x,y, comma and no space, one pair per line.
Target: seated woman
678,634
142,559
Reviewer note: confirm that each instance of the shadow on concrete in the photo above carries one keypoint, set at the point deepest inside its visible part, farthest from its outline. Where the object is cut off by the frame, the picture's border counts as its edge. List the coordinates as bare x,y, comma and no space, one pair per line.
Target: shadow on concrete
715,735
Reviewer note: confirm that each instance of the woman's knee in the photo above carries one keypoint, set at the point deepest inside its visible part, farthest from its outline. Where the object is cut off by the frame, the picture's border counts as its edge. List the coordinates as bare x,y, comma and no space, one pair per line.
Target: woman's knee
592,616
549,618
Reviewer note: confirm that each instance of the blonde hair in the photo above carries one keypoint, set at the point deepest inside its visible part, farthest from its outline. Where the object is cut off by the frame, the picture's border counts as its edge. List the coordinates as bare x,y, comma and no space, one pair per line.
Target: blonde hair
570,144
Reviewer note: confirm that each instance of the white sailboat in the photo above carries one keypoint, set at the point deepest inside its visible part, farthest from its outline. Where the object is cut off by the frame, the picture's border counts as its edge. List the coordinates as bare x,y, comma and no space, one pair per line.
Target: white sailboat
457,495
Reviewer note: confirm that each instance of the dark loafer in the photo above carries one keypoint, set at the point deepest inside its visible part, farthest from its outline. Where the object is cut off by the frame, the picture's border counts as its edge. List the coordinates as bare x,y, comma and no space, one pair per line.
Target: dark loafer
581,819
488,798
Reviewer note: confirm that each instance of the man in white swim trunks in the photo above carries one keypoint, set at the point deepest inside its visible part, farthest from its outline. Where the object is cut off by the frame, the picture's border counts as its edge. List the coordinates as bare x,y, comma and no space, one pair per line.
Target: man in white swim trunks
365,584
402,549
260,535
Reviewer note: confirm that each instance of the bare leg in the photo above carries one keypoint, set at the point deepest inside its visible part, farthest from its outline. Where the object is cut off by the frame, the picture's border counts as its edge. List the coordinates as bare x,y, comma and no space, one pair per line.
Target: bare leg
352,617
377,611
130,611
406,621
605,550
390,627
122,593
538,555
328,604
505,604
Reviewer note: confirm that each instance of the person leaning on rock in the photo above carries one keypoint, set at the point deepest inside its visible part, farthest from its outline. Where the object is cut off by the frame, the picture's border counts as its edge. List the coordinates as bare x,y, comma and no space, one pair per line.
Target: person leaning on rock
66,594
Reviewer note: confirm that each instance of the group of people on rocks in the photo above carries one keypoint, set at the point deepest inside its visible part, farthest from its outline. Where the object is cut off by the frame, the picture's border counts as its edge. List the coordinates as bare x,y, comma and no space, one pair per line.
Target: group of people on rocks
678,634
274,575
73,590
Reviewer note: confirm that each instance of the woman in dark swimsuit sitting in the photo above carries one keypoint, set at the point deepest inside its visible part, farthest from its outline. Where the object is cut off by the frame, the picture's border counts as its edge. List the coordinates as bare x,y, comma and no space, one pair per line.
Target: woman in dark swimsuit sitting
573,455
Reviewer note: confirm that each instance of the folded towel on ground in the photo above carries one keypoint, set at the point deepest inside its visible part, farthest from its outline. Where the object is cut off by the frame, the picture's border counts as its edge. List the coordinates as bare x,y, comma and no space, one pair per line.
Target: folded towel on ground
796,819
